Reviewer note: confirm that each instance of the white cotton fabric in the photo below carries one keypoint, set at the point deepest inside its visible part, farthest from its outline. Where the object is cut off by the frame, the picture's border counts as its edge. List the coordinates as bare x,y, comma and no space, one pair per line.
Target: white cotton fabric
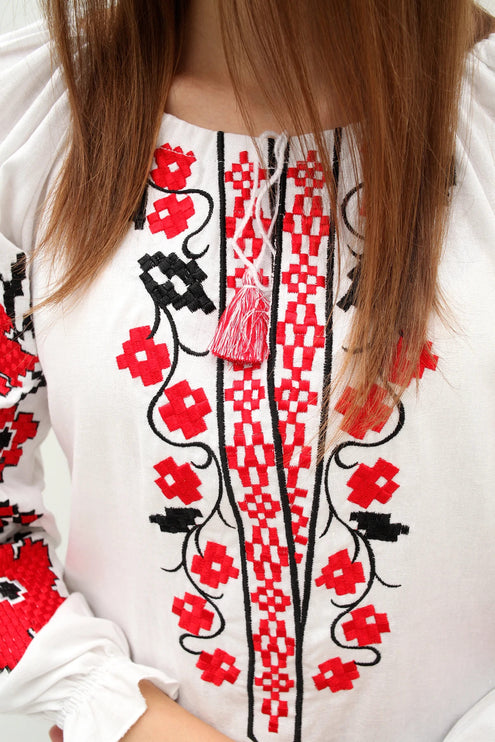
117,626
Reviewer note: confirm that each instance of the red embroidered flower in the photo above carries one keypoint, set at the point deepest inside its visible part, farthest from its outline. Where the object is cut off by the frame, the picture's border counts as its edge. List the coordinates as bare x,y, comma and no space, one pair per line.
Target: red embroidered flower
28,598
186,409
218,667
402,373
193,614
14,362
372,415
340,574
366,626
215,566
171,215
370,483
173,167
178,481
143,357
336,675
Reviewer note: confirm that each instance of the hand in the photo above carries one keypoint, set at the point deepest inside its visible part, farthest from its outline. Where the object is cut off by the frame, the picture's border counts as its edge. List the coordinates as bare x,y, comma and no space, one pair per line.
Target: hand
163,721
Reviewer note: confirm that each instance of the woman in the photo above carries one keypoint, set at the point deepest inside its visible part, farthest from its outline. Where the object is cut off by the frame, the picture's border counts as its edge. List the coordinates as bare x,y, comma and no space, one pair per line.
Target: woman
268,357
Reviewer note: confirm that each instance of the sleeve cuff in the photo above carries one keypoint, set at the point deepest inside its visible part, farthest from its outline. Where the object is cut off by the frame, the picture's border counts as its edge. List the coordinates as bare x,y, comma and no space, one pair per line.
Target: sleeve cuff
108,701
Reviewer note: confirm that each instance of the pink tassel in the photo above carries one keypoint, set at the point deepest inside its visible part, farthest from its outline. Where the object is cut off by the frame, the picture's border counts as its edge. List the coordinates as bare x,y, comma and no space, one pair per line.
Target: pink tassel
242,332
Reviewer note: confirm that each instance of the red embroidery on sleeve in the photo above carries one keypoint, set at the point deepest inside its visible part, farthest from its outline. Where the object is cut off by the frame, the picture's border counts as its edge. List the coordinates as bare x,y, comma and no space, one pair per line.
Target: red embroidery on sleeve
28,597
14,431
14,362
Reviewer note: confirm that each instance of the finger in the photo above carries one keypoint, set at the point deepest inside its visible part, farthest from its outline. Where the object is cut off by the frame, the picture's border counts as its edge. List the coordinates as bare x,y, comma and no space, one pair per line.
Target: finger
56,734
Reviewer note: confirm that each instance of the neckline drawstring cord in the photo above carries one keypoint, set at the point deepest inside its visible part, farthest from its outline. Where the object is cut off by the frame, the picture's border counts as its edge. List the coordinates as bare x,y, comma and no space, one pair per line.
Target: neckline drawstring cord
242,332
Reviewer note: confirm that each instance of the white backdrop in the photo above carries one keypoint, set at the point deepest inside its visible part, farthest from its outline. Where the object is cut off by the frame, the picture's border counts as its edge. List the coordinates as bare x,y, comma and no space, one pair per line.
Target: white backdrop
15,14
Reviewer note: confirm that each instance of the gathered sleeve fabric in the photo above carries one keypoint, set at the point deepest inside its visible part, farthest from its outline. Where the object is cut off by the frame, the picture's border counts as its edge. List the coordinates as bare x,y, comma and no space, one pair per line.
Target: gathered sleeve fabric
56,657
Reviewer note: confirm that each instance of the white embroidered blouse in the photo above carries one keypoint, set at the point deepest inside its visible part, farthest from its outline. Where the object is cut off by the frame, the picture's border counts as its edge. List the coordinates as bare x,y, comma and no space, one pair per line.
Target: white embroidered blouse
277,596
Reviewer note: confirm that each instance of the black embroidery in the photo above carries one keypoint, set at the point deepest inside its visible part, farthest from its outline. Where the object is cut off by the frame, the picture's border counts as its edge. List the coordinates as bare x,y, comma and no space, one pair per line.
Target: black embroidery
190,274
378,526
176,520
9,590
350,297
139,217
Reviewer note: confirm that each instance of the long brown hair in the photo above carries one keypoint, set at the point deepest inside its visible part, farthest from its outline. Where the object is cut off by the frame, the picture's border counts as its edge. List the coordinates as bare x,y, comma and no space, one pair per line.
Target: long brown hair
394,66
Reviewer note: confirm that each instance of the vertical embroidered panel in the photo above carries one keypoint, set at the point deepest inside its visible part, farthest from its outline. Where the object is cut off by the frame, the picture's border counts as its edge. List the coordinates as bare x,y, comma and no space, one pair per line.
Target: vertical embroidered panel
251,462
301,334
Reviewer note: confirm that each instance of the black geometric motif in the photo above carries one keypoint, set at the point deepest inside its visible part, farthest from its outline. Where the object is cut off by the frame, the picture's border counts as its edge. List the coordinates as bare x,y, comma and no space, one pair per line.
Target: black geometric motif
176,520
378,526
9,590
350,298
190,274
139,217
13,288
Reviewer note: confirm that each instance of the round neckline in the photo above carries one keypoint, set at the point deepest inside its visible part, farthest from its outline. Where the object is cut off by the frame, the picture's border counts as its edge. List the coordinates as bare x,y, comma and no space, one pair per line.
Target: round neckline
196,129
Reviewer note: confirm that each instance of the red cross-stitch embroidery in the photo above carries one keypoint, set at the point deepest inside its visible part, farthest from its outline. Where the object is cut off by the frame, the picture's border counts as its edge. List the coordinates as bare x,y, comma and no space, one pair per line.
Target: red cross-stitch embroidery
402,374
14,431
28,598
173,167
336,675
251,460
340,574
299,333
143,357
186,409
215,566
193,614
14,362
218,667
178,481
372,415
370,483
11,514
366,626
171,215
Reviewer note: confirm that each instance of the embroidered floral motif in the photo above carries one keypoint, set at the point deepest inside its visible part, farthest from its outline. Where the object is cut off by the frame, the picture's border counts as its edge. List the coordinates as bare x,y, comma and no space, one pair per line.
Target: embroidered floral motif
366,626
218,667
173,167
215,567
193,614
373,413
186,409
340,677
370,483
143,357
171,215
340,574
178,481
